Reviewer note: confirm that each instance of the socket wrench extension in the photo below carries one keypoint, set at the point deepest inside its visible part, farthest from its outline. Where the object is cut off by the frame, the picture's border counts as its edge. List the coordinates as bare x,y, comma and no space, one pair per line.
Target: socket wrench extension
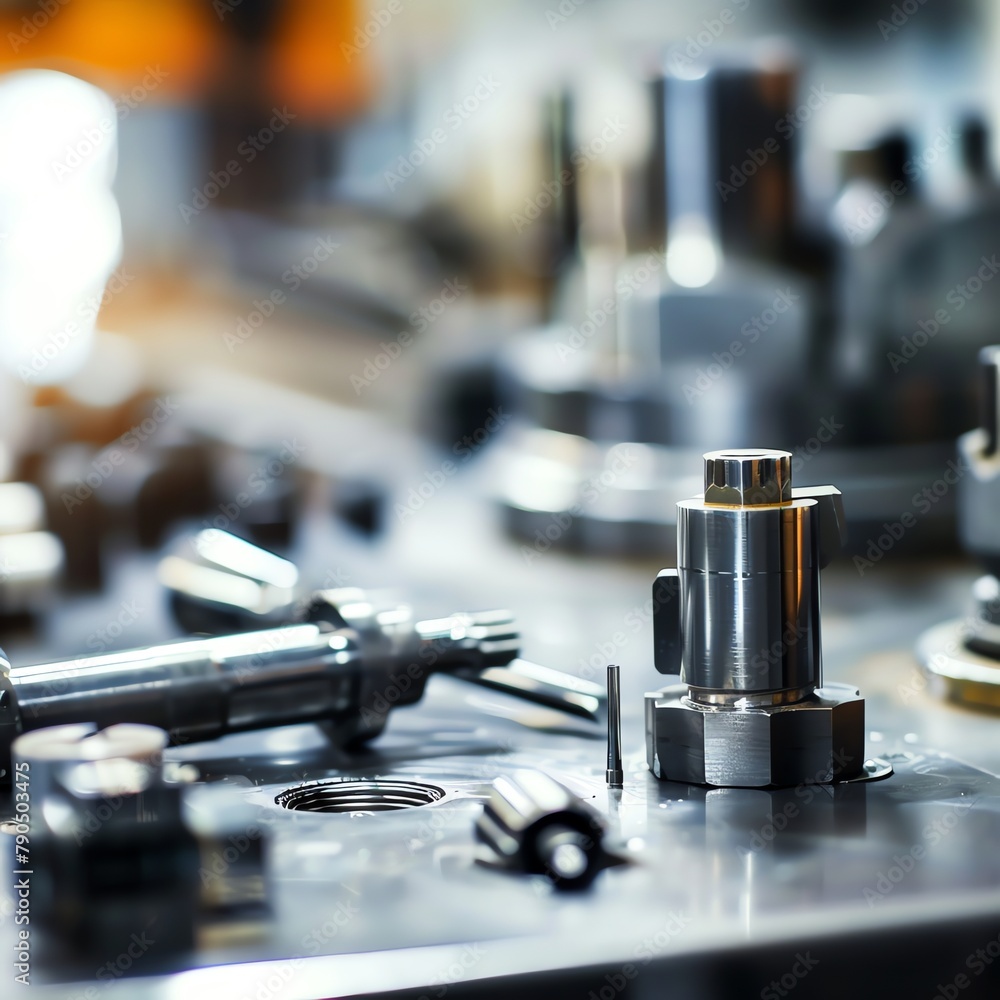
738,620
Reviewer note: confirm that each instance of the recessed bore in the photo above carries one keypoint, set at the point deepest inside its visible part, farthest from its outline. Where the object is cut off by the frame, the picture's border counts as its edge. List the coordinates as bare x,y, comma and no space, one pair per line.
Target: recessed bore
351,795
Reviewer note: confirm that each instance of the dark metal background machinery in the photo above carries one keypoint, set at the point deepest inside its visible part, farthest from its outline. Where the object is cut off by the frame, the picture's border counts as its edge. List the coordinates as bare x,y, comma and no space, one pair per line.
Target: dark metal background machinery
962,657
113,850
740,624
673,347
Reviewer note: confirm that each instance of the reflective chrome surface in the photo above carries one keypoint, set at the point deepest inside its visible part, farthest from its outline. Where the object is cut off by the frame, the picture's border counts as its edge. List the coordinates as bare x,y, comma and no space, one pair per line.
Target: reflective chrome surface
748,477
749,596
198,689
739,619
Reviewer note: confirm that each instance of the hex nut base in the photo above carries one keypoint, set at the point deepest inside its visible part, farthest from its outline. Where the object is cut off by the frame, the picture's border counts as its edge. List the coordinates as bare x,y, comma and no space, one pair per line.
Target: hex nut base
815,741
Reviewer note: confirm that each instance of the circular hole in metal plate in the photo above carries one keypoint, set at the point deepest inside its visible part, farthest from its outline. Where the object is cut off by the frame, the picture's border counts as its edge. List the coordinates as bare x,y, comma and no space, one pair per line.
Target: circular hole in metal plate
359,795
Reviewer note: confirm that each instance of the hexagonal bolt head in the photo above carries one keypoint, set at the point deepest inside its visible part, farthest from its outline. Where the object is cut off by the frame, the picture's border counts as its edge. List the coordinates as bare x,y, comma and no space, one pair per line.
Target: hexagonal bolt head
748,477
815,741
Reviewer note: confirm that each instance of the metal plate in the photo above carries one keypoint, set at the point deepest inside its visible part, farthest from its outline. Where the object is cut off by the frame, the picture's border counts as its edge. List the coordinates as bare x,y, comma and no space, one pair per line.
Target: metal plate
726,892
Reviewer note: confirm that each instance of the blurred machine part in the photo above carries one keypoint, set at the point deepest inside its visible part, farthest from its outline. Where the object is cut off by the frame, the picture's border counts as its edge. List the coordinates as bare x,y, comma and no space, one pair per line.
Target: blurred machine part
31,558
962,658
979,493
756,324
220,583
121,468
30,567
916,226
123,859
628,371
111,854
536,826
739,621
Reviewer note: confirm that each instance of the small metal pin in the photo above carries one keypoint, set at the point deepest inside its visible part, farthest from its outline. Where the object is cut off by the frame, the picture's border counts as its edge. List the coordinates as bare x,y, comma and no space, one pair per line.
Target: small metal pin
614,775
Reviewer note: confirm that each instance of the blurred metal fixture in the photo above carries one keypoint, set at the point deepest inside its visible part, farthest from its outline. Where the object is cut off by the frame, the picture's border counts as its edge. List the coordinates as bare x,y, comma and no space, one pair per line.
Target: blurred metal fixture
963,656
22,508
119,847
563,491
915,289
536,826
979,490
621,373
31,559
110,855
739,621
92,494
219,583
746,328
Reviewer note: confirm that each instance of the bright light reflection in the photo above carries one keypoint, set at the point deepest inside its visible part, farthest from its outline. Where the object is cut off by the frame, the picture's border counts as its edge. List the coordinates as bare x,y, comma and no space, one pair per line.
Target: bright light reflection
692,257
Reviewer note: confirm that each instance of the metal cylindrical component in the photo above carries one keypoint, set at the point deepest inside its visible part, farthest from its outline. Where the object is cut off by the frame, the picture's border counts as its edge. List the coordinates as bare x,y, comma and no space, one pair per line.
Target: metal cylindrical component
110,849
748,563
195,690
989,397
122,760
979,481
615,773
537,826
484,638
749,600
739,621
345,668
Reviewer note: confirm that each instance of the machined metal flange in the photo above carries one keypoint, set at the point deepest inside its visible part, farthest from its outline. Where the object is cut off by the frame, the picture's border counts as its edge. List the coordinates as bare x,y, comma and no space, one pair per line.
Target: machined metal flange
816,740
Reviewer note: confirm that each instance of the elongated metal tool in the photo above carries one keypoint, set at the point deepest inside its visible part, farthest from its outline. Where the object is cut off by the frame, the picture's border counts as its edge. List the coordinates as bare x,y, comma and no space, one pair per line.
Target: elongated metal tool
615,776
346,668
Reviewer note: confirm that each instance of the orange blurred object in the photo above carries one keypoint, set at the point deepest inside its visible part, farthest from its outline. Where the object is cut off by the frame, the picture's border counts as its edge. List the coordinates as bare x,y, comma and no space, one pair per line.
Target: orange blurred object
118,39
315,65
313,61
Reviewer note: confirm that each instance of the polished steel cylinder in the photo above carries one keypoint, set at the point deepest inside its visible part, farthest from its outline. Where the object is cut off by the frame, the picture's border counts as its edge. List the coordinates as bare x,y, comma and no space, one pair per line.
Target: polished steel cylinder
344,669
198,689
748,564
